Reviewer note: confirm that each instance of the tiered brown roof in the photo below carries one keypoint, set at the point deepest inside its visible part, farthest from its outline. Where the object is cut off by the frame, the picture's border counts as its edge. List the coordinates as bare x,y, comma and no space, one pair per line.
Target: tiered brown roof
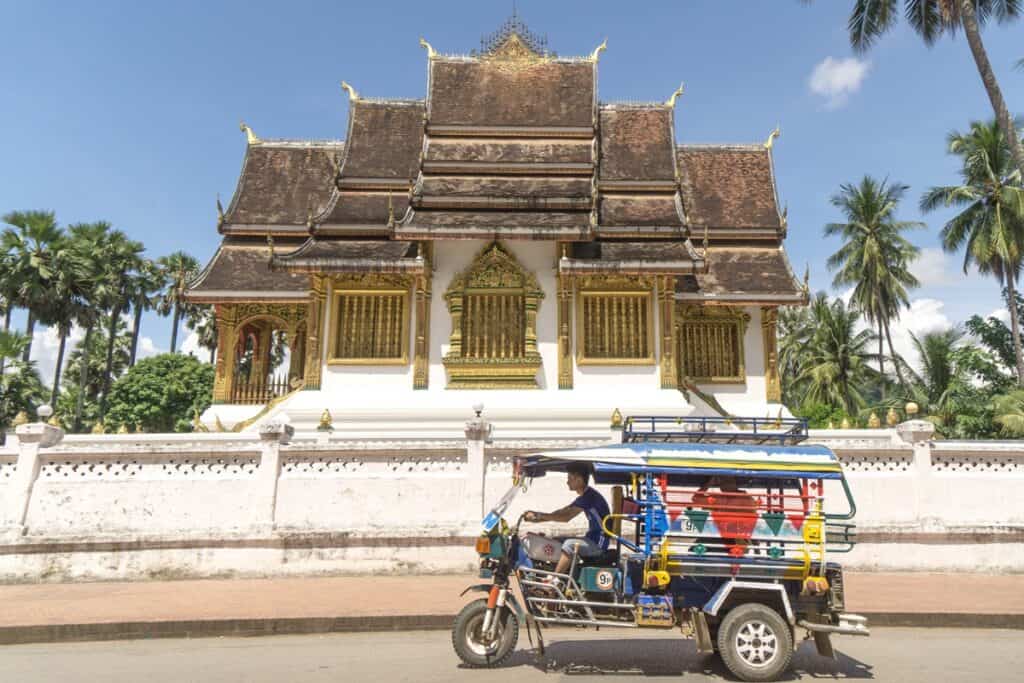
512,144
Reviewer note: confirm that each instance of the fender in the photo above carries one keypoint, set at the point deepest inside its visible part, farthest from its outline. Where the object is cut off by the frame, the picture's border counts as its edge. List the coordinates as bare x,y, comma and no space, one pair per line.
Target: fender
715,603
510,600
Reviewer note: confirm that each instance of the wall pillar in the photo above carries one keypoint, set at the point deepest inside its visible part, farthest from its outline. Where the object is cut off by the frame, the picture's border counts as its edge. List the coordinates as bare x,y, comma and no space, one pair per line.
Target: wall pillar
273,433
421,345
565,362
314,333
770,339
226,342
478,431
666,320
31,438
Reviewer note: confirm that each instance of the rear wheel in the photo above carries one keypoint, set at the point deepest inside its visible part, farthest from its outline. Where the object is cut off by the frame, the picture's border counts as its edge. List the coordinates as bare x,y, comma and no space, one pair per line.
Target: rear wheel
755,642
473,647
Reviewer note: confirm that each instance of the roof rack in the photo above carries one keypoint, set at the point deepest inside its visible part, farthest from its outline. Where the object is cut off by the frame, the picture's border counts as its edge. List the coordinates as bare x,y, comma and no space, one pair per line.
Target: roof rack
782,431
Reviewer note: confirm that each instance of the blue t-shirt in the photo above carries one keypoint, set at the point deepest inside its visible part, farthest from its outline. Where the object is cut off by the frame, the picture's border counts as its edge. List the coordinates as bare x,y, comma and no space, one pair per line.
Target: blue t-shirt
596,509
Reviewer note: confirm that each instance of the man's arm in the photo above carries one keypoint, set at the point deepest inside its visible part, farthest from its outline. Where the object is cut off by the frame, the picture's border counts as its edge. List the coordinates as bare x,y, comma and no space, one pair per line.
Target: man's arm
564,515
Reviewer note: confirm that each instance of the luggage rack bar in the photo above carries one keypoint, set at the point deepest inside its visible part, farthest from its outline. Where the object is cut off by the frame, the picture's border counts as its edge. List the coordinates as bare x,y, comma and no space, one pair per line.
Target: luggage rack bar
782,431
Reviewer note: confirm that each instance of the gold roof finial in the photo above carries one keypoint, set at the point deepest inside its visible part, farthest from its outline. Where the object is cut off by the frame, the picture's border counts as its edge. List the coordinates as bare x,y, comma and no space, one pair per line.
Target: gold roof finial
431,52
250,136
671,101
616,419
771,137
270,246
220,212
807,279
352,94
325,422
336,166
598,50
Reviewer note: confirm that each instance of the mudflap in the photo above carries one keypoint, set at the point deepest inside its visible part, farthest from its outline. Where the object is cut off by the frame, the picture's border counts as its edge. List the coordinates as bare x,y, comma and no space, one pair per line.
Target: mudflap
701,632
823,642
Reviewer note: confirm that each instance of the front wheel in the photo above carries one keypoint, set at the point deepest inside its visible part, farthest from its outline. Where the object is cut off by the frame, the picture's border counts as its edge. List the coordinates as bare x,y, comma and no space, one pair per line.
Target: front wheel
755,642
473,647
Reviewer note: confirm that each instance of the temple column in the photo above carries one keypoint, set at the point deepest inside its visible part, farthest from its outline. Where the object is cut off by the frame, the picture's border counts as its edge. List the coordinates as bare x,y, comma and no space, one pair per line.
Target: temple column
565,367
314,321
227,338
421,348
769,336
261,354
666,320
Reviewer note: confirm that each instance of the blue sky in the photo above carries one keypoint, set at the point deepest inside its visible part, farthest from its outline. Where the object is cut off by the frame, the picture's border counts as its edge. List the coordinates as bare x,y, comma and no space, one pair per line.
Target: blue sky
129,111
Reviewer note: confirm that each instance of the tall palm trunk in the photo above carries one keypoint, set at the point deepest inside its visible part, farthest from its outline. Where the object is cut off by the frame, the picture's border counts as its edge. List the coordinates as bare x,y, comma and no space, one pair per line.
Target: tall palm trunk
108,368
895,363
7,328
135,334
30,327
83,379
174,327
881,358
969,20
1015,325
60,362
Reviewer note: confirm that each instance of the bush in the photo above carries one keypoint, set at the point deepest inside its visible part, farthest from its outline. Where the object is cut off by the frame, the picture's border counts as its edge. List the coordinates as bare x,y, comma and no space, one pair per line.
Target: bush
161,394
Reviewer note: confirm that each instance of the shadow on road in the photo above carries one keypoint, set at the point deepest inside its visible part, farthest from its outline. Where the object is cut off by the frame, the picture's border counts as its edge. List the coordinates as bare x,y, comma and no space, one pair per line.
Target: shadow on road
667,657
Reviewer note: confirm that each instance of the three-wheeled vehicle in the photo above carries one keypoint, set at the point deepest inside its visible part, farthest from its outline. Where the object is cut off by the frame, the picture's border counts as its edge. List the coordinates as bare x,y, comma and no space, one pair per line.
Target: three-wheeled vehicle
719,527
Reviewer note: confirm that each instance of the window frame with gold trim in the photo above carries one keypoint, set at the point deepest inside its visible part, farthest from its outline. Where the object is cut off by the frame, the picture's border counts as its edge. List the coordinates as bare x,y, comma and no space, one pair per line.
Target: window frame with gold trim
735,317
401,292
617,288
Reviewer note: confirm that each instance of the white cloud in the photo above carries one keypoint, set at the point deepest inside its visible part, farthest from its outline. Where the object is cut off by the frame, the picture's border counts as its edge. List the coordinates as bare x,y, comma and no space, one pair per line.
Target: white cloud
934,268
837,79
923,316
45,344
1001,314
190,345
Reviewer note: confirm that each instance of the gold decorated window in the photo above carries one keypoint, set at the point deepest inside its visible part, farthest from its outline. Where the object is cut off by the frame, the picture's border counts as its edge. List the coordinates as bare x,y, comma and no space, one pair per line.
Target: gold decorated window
615,327
709,343
494,325
370,327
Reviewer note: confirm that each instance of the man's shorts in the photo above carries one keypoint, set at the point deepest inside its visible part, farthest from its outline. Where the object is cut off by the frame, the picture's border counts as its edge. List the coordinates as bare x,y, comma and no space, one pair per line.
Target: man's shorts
583,546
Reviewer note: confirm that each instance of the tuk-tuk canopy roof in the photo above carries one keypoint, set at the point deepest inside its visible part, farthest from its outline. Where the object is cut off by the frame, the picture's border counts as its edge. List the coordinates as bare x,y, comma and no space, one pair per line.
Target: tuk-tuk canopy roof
614,463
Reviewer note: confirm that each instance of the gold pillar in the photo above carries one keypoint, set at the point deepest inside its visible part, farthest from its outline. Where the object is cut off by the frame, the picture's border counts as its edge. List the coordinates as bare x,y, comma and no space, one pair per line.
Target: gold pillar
421,349
666,305
261,354
314,321
564,332
227,337
769,335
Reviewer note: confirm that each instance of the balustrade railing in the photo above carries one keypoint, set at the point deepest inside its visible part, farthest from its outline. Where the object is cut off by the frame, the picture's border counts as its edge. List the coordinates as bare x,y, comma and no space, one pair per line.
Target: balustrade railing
260,391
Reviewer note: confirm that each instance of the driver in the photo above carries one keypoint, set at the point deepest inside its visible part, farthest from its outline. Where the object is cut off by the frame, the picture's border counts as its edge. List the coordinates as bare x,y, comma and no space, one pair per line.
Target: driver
588,501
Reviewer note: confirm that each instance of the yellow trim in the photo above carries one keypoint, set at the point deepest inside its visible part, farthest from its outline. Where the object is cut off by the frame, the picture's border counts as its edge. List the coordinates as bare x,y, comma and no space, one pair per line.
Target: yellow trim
403,359
741,464
581,340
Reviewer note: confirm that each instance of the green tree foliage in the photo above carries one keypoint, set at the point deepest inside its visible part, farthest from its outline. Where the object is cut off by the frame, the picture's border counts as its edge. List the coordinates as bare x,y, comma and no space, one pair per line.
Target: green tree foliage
92,348
29,246
1009,413
20,387
179,269
995,335
161,394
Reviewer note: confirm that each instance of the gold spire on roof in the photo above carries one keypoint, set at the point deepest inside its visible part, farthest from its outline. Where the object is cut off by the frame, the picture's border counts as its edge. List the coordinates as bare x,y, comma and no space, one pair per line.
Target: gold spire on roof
671,101
598,50
431,52
250,136
771,137
352,94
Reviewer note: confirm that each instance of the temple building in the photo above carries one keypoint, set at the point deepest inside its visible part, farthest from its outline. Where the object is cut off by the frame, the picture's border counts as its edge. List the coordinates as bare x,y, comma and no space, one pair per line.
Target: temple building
508,240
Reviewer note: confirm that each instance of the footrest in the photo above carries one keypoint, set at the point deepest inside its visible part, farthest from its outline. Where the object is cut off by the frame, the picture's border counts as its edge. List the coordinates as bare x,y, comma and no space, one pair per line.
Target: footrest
849,625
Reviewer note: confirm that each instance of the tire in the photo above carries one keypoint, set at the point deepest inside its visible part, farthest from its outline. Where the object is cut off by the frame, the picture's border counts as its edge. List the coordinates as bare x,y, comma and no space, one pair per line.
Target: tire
466,636
755,642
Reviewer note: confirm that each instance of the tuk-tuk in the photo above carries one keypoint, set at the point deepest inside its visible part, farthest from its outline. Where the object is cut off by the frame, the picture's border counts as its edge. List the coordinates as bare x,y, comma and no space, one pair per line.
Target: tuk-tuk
717,527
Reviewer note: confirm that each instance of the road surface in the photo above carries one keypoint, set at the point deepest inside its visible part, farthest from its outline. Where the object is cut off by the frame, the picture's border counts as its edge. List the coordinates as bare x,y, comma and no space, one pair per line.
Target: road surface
891,654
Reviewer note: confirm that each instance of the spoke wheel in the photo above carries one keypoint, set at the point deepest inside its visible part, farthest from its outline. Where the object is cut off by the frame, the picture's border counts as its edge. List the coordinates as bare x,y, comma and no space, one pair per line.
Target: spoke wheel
755,642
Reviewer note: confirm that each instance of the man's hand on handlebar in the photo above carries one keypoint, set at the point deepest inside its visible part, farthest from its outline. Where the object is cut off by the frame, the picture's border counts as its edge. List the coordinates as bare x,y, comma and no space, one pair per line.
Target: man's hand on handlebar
531,516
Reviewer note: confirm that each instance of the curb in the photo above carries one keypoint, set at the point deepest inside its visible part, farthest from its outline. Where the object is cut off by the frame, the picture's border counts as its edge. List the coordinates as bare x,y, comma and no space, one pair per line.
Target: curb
245,628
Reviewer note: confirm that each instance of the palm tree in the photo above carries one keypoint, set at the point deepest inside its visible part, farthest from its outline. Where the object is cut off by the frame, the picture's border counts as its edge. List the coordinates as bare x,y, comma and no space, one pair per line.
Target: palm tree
835,366
179,269
932,19
146,284
204,323
992,221
940,381
88,242
20,388
795,331
68,294
1009,413
122,257
874,257
29,245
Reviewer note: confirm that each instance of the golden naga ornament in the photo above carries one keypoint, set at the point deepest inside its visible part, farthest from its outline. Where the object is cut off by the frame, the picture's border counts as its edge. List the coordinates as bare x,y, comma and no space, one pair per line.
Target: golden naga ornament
616,419
892,418
873,421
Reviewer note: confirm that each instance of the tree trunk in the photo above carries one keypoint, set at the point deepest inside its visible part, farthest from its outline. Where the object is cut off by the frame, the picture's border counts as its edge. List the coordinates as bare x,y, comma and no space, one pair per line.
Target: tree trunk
56,370
1015,326
174,328
7,328
136,324
30,327
881,358
895,362
969,20
109,367
83,379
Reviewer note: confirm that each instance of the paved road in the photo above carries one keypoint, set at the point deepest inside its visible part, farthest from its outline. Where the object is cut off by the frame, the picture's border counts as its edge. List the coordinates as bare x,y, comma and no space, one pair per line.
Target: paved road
897,655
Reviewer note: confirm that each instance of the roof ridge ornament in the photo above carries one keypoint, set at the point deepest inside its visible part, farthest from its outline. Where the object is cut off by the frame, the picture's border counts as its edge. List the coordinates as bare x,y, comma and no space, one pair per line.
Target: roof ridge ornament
220,212
353,96
598,50
391,211
671,101
771,137
250,136
431,52
270,246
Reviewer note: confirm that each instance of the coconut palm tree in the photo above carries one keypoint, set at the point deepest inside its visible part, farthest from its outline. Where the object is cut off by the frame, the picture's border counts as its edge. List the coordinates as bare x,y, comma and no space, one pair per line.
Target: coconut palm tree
991,223
796,328
29,244
145,287
940,383
68,295
874,256
1009,413
122,257
836,362
179,269
932,19
204,324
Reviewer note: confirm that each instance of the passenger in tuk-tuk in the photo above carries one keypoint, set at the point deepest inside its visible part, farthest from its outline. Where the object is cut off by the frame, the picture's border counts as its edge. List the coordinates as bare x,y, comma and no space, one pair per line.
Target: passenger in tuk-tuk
734,510
588,501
